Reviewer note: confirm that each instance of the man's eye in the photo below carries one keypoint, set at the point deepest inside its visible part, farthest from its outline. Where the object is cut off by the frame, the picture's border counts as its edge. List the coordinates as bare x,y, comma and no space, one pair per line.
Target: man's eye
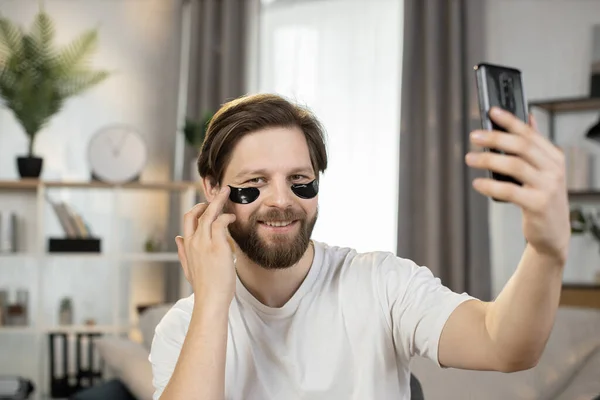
255,180
299,177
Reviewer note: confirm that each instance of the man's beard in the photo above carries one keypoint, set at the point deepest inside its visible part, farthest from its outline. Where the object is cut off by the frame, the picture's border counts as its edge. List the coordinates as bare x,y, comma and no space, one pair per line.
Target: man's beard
282,250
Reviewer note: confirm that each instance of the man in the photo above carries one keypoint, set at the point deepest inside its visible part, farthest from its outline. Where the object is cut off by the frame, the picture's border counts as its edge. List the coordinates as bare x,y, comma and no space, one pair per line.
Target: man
275,315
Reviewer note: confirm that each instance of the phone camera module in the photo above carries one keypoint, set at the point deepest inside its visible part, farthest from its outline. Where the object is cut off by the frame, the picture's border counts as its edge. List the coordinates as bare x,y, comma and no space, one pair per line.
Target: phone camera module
507,97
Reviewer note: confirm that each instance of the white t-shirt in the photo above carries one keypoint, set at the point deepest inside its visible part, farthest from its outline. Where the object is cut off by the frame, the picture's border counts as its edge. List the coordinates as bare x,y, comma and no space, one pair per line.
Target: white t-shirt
347,333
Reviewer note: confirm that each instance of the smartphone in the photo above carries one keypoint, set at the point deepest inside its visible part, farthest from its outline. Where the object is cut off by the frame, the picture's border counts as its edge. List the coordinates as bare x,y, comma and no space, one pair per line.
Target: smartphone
500,86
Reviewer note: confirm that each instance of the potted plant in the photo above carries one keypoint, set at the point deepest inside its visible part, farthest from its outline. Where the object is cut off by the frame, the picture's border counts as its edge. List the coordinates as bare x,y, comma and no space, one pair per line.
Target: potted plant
36,77
195,130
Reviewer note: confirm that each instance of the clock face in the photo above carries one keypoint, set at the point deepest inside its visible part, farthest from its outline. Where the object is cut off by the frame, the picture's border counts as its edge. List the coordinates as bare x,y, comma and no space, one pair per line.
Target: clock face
117,154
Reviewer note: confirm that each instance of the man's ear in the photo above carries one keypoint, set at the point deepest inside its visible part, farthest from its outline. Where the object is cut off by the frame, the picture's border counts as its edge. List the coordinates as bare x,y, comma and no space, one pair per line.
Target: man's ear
210,189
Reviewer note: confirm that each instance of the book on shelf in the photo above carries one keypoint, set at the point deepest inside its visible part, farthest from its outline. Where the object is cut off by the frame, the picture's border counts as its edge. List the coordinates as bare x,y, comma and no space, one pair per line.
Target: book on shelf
8,232
71,221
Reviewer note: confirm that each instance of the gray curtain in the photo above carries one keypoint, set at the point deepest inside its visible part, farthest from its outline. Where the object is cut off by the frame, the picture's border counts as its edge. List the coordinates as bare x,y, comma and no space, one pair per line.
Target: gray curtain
442,221
219,38
215,36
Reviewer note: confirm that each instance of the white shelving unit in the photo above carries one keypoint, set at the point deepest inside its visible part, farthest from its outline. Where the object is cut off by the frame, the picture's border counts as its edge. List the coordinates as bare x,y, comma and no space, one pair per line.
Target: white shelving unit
112,254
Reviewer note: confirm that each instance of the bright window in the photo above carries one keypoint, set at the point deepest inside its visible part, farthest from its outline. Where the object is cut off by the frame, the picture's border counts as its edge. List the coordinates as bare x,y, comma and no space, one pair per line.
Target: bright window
342,58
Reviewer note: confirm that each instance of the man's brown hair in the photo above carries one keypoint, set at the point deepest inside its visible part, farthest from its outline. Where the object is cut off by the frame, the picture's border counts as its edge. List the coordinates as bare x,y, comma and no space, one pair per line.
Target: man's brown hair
251,113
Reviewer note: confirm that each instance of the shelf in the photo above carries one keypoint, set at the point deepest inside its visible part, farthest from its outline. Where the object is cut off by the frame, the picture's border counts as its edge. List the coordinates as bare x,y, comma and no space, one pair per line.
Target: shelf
86,329
16,329
34,184
581,286
150,257
584,195
568,104
93,256
16,256
22,185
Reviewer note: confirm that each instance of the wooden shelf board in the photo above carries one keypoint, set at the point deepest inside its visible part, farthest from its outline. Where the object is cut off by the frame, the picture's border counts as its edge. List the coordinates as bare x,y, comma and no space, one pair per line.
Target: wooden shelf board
584,195
567,104
33,184
156,257
24,184
86,329
16,329
581,286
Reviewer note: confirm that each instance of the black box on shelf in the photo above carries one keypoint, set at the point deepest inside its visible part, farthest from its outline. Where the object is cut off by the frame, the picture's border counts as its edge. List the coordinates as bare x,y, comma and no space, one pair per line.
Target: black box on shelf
74,245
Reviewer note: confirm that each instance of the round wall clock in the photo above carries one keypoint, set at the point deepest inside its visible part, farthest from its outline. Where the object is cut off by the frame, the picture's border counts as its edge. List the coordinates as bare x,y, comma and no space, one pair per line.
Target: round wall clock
117,154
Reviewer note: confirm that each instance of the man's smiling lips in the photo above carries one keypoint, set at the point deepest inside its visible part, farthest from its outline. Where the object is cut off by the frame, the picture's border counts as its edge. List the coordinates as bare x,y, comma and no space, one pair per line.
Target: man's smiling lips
278,226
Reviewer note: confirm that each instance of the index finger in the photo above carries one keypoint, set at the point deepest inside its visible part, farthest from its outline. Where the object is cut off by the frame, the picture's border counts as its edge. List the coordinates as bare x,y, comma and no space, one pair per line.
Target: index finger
214,209
190,219
515,125
509,121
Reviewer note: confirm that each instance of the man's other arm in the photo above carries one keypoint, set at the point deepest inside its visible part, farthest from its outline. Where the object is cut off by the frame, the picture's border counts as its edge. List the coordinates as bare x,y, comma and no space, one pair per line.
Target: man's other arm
199,372
510,333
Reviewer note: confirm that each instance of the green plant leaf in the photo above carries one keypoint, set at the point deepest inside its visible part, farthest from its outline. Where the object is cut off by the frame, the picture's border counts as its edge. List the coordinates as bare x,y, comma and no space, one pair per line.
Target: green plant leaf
77,53
42,35
10,39
80,81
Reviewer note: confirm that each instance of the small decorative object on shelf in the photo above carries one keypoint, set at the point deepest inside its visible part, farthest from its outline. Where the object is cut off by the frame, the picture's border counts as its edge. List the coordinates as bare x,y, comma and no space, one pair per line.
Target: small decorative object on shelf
594,132
69,245
583,222
16,314
595,78
36,78
579,168
154,243
8,232
3,306
65,312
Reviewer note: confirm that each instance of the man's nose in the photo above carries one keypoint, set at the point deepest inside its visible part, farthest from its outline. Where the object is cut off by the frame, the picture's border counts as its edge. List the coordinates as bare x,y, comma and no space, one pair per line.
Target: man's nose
279,195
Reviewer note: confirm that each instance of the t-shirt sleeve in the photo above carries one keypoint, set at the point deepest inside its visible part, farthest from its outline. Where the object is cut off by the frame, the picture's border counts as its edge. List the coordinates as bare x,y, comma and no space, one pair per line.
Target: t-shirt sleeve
417,306
166,346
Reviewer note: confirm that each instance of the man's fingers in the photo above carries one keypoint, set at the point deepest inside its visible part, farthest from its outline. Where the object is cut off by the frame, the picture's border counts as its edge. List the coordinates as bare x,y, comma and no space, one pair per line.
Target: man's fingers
213,210
505,164
511,144
525,197
182,256
190,219
510,122
533,122
219,227
514,125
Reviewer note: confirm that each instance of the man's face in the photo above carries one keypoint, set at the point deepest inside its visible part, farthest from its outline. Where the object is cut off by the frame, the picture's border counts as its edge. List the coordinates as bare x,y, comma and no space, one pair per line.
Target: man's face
273,231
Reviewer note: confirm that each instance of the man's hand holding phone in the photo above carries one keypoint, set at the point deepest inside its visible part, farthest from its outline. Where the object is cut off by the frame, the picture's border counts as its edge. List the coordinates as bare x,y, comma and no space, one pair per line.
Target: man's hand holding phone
539,165
205,252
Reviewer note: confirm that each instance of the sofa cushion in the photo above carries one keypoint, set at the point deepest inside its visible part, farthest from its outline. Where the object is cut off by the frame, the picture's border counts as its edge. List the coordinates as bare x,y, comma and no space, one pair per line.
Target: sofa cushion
128,362
586,382
573,339
113,390
148,320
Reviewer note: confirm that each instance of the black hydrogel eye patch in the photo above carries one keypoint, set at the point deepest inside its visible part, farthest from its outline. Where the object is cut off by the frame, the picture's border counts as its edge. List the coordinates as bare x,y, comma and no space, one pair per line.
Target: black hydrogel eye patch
243,195
250,194
306,191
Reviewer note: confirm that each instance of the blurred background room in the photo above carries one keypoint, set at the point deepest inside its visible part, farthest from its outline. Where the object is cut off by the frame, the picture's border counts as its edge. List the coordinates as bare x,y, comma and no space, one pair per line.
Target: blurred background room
103,106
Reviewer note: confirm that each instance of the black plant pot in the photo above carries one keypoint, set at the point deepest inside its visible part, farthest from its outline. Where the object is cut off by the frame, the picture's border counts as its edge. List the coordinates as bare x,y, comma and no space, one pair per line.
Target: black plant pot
30,167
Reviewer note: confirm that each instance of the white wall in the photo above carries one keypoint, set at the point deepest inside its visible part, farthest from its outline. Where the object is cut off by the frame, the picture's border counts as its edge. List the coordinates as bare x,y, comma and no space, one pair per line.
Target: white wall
342,58
139,41
551,42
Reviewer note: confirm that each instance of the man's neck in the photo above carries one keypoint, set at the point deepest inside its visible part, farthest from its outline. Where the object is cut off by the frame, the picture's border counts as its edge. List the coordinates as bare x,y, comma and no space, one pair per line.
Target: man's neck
273,287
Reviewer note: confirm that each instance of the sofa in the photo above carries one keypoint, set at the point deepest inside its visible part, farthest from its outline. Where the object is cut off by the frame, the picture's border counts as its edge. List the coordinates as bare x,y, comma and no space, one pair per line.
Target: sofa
568,370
